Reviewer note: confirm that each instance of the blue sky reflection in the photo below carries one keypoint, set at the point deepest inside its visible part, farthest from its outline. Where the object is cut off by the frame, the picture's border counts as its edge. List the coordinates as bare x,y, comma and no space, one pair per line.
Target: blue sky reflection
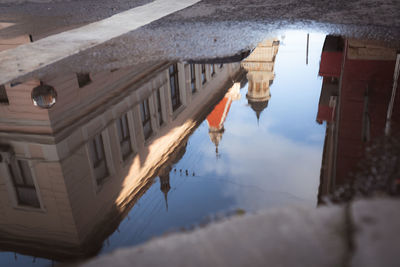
273,162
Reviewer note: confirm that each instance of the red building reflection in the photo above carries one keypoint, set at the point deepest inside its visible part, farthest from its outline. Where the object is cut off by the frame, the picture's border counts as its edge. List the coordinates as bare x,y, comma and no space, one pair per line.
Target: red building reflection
356,92
216,118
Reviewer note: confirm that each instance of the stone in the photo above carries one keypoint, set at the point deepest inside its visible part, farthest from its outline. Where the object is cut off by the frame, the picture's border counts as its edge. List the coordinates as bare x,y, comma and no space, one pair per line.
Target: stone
293,236
376,234
55,48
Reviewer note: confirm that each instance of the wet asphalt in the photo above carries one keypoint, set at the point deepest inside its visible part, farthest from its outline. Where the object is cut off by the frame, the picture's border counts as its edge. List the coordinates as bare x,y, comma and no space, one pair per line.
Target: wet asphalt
33,18
36,18
209,30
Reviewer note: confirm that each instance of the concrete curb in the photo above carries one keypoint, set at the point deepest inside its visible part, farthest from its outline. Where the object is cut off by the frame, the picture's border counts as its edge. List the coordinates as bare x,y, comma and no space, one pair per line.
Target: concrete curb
34,56
293,236
376,236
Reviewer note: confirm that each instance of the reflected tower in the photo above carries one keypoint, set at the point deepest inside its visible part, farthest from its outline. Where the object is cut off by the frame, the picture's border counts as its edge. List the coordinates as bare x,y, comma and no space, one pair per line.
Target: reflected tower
260,74
165,185
217,117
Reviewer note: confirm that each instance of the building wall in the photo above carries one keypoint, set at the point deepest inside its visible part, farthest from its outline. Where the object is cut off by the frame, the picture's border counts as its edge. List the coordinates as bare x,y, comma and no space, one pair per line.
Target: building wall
91,202
20,115
358,74
53,221
10,43
365,88
72,203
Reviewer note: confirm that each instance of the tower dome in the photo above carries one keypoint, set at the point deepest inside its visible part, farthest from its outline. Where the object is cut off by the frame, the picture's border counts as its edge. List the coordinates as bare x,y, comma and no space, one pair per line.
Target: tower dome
260,74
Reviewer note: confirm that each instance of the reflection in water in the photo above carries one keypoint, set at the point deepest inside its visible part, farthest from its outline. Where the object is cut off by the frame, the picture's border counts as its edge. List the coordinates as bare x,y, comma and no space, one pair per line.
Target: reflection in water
123,155
218,115
260,74
70,173
357,89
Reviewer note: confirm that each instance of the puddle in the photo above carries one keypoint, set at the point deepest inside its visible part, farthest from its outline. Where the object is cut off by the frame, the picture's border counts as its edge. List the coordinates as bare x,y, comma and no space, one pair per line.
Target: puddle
104,155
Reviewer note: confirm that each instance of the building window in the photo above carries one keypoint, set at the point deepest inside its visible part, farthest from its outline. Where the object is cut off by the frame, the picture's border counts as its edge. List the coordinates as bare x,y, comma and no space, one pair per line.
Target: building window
212,69
22,179
124,136
203,74
174,83
192,78
3,95
159,108
145,117
14,84
98,157
83,79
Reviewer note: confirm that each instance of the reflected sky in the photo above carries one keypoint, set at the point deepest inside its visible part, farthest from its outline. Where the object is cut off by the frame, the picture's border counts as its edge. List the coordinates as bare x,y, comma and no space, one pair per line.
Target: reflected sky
12,259
256,161
263,163
260,164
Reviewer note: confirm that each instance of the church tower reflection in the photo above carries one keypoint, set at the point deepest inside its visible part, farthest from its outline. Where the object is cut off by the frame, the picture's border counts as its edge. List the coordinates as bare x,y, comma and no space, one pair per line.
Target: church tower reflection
165,185
260,74
217,117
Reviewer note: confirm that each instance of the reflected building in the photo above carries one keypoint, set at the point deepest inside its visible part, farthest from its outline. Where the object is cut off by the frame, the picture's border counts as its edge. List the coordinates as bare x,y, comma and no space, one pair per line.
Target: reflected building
260,74
217,117
13,42
356,90
17,36
165,170
165,185
70,173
